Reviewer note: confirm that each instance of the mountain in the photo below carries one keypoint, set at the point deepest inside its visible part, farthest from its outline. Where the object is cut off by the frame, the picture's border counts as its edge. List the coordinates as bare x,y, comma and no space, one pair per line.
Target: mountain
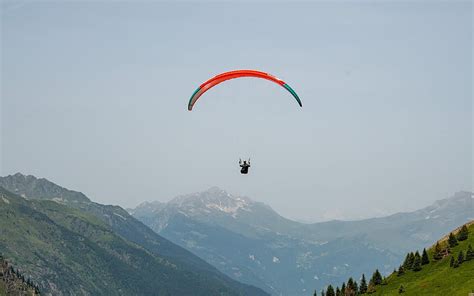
250,242
402,232
32,187
70,245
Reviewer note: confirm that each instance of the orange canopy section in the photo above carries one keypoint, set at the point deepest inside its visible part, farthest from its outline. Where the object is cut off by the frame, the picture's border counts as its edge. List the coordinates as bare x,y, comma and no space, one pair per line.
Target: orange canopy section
237,74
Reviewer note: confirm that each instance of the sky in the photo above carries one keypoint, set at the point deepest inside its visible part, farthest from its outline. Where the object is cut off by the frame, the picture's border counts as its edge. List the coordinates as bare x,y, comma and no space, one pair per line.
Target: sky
94,98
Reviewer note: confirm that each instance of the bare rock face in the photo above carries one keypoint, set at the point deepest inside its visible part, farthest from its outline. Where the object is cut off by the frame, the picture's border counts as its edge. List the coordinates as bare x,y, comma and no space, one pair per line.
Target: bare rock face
12,282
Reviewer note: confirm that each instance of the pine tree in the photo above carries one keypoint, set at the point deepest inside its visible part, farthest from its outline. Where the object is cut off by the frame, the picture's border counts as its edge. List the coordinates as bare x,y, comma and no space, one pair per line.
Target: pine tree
338,291
351,289
363,285
376,278
406,261
371,287
463,233
322,293
424,258
452,240
316,293
417,262
456,263
343,289
437,252
401,271
411,259
401,289
330,291
451,262
469,253
461,257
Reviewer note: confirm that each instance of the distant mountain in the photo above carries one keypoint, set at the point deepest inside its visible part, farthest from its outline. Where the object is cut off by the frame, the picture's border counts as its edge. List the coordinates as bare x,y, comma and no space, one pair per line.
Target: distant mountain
70,245
404,231
250,242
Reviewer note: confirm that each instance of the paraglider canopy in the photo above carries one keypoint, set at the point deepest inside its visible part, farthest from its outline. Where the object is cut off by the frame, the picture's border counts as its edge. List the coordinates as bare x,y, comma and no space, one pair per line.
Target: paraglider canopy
237,74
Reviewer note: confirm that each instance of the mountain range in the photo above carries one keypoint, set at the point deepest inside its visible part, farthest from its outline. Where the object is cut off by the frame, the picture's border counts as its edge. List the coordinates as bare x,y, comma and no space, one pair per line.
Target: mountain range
69,245
250,242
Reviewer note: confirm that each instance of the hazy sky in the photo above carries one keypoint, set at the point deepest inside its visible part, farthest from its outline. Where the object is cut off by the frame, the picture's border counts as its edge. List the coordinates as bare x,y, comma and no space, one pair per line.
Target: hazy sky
94,98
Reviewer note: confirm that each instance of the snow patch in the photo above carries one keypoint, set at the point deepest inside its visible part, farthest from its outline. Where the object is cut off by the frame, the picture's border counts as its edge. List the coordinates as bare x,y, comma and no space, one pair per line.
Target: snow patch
5,200
117,214
229,209
58,200
238,274
276,259
316,277
183,213
198,234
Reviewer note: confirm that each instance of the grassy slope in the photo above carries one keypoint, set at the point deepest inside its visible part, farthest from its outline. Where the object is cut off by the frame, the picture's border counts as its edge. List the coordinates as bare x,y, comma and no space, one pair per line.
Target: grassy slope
436,278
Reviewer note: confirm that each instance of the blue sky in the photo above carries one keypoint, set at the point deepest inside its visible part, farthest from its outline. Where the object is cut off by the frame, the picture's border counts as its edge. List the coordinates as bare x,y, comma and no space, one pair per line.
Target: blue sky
94,97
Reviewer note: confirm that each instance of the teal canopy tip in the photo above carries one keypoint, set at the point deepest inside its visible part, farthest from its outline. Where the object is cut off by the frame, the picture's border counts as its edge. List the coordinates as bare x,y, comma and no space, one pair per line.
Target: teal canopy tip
295,95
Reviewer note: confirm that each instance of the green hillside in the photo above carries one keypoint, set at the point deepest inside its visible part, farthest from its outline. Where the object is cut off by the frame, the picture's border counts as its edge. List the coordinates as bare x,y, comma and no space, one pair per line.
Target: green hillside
437,277
440,271
67,251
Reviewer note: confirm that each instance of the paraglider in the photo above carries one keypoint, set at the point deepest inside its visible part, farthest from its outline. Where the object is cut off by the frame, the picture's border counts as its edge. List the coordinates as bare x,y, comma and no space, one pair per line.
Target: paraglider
244,166
233,75
238,74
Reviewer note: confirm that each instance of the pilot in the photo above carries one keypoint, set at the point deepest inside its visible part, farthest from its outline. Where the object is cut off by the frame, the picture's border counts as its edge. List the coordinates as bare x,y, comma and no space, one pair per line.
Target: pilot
244,166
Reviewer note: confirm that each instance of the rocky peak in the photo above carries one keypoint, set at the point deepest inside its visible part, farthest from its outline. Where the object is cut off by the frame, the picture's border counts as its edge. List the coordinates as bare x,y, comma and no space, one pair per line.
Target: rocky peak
31,187
461,199
213,199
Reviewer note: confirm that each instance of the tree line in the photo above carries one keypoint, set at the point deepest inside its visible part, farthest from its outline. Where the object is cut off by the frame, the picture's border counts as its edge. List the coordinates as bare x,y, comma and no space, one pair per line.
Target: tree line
463,255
